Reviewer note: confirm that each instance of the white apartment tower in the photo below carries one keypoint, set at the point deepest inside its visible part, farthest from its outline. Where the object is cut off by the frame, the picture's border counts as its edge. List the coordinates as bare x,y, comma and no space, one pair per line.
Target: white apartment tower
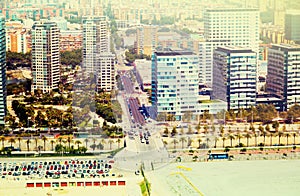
226,27
45,56
106,74
97,58
95,42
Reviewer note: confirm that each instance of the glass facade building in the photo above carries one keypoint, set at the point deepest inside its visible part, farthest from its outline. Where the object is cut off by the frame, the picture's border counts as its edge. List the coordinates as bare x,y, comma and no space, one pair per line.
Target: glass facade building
283,78
175,82
2,72
234,77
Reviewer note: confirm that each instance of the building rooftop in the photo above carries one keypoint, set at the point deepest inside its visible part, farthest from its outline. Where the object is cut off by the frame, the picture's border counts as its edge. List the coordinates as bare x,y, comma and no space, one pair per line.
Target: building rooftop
170,52
286,46
234,49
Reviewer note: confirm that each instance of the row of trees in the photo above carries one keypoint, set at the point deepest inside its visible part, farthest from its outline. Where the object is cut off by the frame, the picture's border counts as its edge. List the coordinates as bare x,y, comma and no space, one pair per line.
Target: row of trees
264,113
62,144
205,142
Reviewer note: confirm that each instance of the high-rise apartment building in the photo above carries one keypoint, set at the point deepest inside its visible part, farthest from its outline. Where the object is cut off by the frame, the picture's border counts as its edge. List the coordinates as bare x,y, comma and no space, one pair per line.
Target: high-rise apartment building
106,72
45,56
17,41
279,13
174,83
234,77
283,75
95,41
292,25
227,27
2,72
146,39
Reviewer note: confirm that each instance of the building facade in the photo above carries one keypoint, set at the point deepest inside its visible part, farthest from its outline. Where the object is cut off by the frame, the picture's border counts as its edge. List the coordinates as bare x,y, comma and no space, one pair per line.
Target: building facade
95,41
146,39
226,27
106,72
283,76
292,26
174,83
2,72
234,77
45,56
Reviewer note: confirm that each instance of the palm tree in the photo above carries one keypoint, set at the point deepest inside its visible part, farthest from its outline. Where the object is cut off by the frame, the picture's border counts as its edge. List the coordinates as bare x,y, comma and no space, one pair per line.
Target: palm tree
19,140
86,140
264,133
2,138
175,142
60,139
44,140
271,135
223,139
280,134
239,136
94,143
52,142
221,129
118,141
294,135
11,141
248,136
77,142
255,135
207,140
199,142
28,143
103,142
287,135
216,140
110,143
69,140
36,143
182,140
231,137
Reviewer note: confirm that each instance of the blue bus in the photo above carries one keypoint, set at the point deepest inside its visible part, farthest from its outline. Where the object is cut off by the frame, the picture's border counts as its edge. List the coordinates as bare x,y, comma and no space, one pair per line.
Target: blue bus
218,156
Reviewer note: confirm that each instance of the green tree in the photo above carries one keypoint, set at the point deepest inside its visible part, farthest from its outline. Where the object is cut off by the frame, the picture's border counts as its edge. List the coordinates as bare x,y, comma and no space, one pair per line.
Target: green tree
182,140
2,138
118,141
52,143
28,143
110,142
248,136
44,140
231,137
199,142
174,141
19,140
287,135
11,141
77,142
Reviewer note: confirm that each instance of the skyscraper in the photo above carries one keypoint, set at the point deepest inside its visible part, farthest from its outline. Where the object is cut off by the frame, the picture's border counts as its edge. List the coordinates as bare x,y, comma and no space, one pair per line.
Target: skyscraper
95,42
45,56
2,72
226,27
292,25
234,77
174,83
284,73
